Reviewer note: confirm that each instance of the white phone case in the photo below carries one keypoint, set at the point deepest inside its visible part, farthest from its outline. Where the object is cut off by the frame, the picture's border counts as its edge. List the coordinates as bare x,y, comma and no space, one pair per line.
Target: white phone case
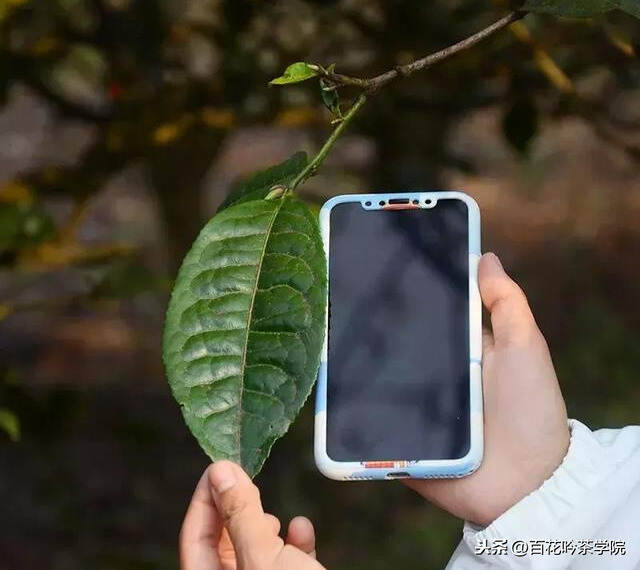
393,468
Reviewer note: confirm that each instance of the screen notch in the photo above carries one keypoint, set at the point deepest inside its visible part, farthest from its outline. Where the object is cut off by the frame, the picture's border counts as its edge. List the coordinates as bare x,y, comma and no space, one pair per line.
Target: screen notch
409,202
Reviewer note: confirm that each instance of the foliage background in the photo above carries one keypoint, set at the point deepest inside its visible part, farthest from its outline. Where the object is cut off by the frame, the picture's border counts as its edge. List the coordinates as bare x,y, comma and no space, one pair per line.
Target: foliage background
125,122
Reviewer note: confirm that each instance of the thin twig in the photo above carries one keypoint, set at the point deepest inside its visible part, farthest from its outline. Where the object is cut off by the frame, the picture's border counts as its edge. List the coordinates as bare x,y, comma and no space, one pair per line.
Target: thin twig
375,83
313,166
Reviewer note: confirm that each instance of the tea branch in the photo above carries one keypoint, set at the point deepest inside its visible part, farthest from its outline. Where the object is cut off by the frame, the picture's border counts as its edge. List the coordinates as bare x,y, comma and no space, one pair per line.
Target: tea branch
374,84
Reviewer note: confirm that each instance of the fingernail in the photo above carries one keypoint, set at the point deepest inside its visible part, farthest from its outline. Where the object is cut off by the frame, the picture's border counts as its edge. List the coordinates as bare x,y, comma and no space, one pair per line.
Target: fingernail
495,259
222,477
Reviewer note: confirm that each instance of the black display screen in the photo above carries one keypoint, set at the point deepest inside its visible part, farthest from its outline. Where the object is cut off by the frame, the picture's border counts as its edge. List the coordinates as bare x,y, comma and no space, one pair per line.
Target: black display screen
398,359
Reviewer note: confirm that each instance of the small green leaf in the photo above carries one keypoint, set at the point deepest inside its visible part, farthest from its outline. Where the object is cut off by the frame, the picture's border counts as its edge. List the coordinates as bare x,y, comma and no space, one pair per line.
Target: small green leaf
245,327
571,8
330,97
520,124
10,424
261,183
295,73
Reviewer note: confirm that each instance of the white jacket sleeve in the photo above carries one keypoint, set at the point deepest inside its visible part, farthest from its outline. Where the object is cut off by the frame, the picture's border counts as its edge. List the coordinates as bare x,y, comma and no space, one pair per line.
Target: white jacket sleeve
585,516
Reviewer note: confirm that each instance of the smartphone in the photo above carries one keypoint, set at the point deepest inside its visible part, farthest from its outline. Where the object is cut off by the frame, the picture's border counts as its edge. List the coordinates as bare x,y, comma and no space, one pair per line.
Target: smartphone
399,391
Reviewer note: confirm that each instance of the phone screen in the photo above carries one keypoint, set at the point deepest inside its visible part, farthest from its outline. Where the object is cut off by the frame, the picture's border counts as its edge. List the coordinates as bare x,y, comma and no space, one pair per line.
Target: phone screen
398,358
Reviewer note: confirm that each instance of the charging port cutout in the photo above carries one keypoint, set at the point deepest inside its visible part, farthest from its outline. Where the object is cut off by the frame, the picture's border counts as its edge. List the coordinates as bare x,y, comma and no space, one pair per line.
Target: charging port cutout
398,475
399,201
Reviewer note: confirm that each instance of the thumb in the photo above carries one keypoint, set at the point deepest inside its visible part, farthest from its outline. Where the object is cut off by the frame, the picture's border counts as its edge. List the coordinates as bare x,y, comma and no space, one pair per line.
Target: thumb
238,502
511,317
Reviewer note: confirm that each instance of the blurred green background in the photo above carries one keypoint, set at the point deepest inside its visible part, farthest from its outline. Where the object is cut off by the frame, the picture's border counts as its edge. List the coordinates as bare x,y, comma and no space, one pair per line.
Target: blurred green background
123,123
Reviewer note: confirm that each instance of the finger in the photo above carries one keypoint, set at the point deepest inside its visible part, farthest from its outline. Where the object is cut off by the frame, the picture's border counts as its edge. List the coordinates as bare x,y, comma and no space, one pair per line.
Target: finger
201,530
511,317
302,535
274,522
238,502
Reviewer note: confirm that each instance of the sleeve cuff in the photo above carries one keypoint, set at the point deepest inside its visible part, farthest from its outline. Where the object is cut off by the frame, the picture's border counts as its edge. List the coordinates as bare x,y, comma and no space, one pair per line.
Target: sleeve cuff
548,513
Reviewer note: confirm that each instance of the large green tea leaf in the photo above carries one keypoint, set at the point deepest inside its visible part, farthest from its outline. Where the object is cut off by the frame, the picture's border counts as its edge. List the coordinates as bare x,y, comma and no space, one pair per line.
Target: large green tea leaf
261,183
245,327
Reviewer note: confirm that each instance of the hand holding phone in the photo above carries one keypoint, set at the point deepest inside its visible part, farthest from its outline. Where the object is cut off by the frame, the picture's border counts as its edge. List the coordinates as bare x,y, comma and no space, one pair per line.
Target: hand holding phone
526,433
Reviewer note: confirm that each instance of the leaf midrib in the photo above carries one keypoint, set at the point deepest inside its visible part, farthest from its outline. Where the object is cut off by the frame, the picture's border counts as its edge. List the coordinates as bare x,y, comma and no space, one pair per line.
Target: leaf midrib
249,320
